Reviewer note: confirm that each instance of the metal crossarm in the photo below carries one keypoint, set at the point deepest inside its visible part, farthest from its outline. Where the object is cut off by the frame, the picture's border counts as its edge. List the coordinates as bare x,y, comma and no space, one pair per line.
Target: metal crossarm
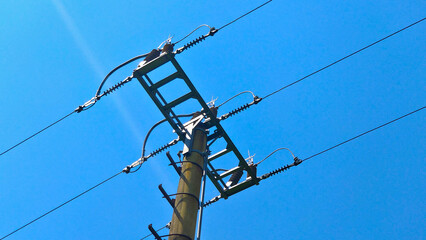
153,88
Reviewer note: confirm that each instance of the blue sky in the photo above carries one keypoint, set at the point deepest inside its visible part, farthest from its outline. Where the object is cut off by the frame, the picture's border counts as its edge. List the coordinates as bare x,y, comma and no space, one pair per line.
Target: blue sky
55,53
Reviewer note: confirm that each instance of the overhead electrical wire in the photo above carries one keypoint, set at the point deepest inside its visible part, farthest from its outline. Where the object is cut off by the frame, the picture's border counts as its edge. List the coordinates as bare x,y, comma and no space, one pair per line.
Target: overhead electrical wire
231,22
28,138
98,96
89,103
297,161
61,205
286,167
345,57
212,31
366,132
258,99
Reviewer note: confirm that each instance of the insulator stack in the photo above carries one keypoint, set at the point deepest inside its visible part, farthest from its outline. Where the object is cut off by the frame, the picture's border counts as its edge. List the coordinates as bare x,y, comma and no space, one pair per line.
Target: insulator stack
208,203
159,150
235,111
192,43
215,199
281,169
115,87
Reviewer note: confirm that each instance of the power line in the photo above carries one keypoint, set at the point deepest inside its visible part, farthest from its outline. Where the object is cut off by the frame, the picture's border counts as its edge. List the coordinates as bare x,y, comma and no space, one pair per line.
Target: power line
212,31
362,134
286,167
28,138
341,59
89,103
63,204
231,22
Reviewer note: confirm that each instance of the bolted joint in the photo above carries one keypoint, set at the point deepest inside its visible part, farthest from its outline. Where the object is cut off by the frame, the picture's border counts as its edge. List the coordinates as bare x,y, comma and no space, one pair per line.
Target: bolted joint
127,169
297,161
265,176
79,109
213,31
257,99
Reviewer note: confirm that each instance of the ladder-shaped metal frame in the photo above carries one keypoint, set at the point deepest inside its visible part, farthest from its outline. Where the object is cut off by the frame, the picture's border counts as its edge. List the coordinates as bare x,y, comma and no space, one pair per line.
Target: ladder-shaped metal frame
166,108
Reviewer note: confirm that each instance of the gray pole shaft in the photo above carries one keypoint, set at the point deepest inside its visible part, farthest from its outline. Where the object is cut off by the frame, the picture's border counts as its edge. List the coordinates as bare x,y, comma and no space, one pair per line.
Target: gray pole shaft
184,217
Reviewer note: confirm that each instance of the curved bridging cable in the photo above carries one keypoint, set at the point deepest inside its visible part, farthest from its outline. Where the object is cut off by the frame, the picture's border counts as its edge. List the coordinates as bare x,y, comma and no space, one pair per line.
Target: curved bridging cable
156,125
168,40
114,70
202,25
143,157
254,97
276,150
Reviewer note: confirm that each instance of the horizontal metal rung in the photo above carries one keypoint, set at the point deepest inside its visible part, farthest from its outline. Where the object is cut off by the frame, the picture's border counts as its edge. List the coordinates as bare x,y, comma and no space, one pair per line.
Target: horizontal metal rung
178,101
229,172
219,154
165,80
213,136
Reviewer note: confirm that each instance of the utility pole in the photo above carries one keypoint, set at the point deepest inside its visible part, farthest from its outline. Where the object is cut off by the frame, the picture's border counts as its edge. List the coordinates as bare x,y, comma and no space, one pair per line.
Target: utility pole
187,200
199,136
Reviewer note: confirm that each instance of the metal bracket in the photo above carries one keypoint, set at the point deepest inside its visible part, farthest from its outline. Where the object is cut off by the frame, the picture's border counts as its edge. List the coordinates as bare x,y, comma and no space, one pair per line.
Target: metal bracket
173,163
152,230
166,196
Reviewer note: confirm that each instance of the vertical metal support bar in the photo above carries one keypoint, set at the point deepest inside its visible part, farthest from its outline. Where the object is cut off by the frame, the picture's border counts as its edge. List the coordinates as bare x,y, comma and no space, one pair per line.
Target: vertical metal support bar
203,190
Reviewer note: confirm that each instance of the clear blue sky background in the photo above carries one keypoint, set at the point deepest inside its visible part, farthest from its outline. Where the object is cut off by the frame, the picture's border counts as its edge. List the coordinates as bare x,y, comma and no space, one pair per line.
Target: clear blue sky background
54,54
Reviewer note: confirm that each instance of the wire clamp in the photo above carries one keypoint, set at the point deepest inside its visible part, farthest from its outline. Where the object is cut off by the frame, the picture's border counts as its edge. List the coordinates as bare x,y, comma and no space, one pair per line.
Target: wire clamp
138,162
257,99
86,105
297,161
